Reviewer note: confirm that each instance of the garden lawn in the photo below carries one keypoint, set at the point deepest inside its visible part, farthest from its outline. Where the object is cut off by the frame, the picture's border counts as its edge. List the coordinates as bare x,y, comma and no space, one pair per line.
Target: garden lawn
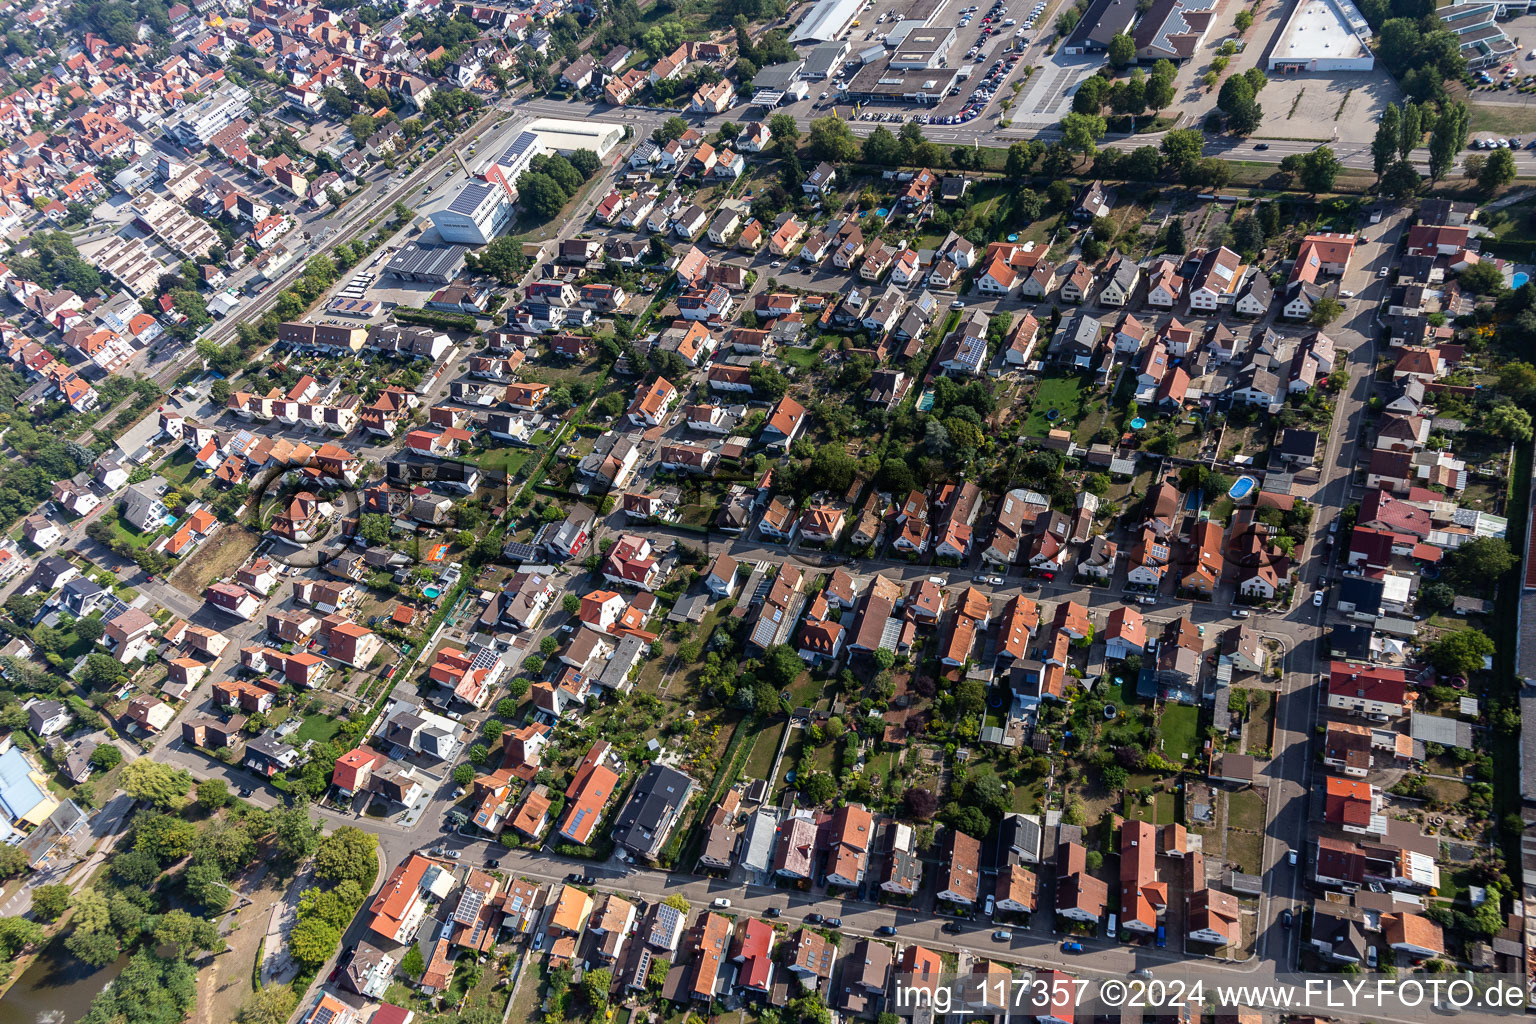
1064,394
318,728
760,761
507,460
1245,809
1180,732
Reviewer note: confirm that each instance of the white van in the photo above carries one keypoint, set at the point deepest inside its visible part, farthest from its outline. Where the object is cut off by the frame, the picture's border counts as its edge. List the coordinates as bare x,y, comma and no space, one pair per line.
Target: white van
1110,931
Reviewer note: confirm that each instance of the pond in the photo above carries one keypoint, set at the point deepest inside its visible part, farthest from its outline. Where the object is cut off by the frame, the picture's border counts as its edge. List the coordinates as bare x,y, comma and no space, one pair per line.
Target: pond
56,989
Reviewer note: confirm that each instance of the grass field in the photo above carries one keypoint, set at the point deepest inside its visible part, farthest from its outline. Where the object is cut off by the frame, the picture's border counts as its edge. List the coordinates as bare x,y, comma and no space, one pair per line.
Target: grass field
760,761
507,460
1245,809
1159,812
218,556
1504,120
1181,735
1246,850
1064,394
318,728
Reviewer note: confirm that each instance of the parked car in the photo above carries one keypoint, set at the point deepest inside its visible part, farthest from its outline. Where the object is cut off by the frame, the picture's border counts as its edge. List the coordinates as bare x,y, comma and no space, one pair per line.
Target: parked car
1002,935
772,912
1317,598
1071,947
886,929
720,903
814,919
834,922
951,927
1162,936
1285,918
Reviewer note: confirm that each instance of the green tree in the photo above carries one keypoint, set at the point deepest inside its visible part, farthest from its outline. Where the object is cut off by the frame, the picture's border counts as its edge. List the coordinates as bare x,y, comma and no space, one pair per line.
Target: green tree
91,912
1080,133
165,837
1384,146
1498,171
348,854
1459,653
49,901
18,934
94,949
313,940
413,965
463,774
205,883
212,794
1122,51
186,933
1183,149
374,527
1325,311
297,835
106,757
271,1004
163,785
1401,180
1447,138
832,140
1483,278
1317,169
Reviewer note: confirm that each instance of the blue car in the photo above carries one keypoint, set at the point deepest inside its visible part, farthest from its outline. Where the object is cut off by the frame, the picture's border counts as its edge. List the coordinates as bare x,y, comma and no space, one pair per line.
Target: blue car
1162,936
1071,947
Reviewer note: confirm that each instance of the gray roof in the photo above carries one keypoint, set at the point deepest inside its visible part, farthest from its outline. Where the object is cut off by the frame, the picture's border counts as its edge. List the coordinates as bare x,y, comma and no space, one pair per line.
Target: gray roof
1448,732
648,816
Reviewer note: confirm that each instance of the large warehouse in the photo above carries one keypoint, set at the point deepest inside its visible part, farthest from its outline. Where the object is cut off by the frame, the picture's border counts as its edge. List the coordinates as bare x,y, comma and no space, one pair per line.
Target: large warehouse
825,22
1323,35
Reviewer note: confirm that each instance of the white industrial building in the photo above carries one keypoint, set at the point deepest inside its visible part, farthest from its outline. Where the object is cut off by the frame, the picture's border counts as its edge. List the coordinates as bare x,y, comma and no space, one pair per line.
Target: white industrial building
825,22
480,212
565,137
194,126
1323,35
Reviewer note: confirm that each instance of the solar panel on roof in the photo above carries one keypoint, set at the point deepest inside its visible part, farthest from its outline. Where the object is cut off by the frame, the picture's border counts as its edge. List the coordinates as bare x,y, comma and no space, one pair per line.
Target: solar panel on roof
469,906
469,199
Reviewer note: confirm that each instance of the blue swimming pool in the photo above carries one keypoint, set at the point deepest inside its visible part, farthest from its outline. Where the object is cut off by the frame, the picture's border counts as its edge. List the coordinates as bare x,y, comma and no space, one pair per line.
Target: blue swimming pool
1242,488
1138,423
882,212
1519,279
431,592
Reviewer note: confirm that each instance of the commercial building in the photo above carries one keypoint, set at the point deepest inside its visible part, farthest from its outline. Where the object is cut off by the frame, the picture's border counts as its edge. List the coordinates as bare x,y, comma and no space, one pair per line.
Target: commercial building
194,126
566,137
881,83
429,264
1323,35
923,49
825,22
479,213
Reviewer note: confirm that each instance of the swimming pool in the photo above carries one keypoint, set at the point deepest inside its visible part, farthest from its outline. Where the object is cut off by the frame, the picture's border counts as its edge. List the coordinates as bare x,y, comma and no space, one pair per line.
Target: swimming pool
1138,423
882,212
432,592
1519,279
1242,488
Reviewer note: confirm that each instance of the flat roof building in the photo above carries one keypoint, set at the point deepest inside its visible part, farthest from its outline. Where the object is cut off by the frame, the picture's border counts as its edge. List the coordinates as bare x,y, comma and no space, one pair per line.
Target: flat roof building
1323,35
432,264
825,22
924,49
879,82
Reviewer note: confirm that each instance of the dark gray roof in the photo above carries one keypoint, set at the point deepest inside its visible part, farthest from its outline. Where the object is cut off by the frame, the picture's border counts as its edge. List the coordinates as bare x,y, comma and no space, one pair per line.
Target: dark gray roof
651,811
